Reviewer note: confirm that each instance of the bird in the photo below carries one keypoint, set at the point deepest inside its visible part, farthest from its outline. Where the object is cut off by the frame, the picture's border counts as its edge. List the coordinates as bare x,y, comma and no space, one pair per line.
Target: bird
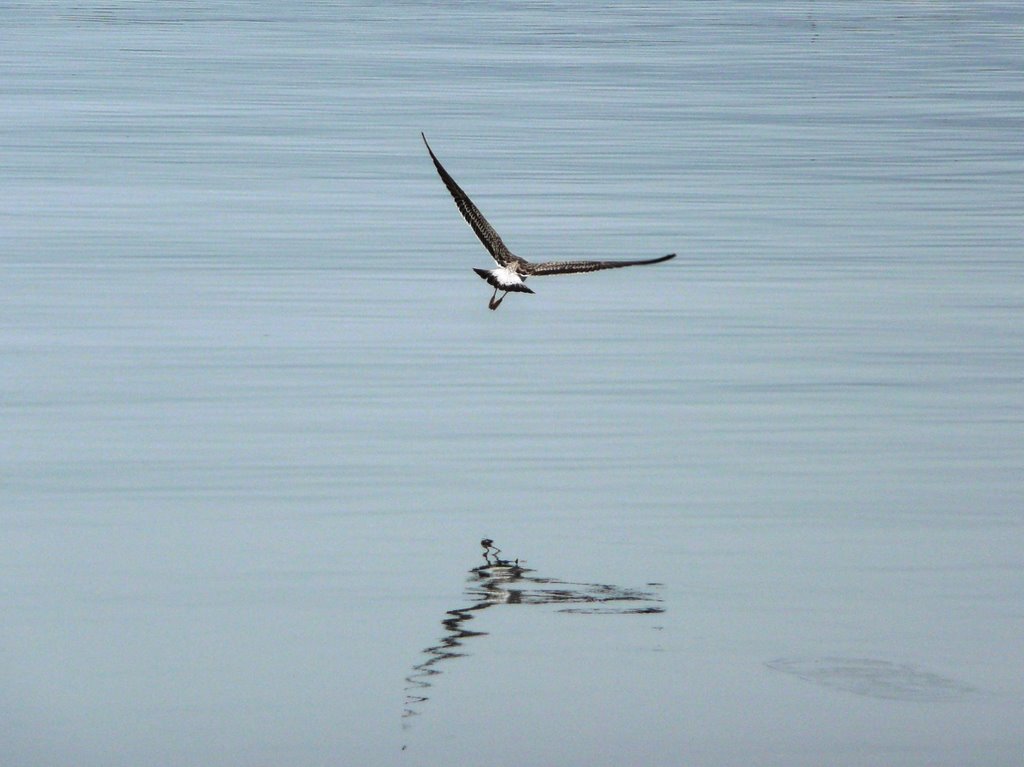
512,271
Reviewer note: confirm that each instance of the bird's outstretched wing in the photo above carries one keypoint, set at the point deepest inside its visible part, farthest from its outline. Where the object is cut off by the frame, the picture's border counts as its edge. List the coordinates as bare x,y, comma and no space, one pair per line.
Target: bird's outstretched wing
473,216
576,267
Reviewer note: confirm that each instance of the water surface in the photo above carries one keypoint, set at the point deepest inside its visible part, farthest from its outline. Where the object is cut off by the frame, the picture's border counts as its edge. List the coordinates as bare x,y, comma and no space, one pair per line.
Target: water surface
257,415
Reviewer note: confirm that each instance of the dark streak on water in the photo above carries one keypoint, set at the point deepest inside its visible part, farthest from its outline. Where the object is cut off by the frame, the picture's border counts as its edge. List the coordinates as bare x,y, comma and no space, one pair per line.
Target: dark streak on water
514,585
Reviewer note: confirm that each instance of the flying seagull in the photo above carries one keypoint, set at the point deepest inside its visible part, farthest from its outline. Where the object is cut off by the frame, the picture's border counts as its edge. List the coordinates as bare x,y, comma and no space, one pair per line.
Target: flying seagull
512,271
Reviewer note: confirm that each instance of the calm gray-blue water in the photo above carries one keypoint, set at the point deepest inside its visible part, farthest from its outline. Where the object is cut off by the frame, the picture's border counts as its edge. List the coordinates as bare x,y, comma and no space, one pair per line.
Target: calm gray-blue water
257,417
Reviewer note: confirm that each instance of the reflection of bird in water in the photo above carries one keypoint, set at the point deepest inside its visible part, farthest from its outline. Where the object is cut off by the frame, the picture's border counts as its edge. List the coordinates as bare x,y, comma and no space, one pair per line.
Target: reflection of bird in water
512,271
489,549
500,582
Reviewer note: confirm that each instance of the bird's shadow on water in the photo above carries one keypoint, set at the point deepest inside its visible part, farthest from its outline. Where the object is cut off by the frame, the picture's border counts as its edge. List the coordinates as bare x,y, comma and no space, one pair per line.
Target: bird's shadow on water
875,678
506,584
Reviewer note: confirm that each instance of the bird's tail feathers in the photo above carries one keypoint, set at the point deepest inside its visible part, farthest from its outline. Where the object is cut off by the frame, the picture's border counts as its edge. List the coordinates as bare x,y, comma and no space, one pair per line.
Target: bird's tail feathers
492,279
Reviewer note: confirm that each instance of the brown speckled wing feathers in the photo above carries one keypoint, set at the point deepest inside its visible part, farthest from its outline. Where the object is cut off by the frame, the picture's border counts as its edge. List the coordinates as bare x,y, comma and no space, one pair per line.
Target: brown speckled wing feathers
577,267
483,230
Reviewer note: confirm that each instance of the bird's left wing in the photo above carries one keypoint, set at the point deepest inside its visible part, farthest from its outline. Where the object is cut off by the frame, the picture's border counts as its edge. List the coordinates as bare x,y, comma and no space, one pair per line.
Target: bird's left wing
483,230
576,267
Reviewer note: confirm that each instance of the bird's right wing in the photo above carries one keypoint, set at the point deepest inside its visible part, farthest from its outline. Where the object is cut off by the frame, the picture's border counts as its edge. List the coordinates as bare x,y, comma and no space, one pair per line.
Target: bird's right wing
483,230
577,267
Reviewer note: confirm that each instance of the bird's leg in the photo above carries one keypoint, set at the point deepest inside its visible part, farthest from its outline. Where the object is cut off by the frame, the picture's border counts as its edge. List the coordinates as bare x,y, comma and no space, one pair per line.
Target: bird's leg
495,301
